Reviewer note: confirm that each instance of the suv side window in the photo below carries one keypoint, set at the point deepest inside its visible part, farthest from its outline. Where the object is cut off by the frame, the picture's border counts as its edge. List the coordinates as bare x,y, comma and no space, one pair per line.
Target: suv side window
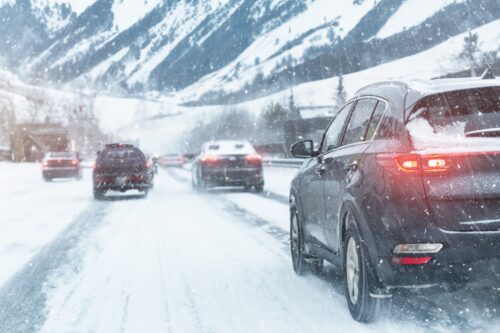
333,134
377,116
359,122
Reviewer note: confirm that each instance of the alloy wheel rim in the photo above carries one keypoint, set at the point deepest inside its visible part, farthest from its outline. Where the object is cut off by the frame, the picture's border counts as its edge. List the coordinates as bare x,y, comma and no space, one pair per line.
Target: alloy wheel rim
295,237
352,271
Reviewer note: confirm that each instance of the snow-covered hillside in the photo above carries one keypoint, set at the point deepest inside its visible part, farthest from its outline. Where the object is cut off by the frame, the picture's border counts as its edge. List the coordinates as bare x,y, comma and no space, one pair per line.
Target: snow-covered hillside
219,47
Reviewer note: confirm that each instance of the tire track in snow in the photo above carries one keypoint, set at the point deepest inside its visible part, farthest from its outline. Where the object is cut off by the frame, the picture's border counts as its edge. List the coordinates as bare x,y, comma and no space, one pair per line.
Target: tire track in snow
245,215
432,315
23,297
265,194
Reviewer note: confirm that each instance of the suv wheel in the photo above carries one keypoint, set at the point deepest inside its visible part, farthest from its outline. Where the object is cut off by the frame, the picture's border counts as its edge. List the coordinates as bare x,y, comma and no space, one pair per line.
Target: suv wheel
358,282
297,245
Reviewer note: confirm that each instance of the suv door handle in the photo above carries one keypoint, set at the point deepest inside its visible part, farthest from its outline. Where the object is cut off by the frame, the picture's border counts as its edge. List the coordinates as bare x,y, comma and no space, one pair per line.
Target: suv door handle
353,166
320,171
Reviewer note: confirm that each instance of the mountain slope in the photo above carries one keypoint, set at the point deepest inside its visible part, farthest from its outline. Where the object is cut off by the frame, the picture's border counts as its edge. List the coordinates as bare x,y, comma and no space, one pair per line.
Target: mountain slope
219,51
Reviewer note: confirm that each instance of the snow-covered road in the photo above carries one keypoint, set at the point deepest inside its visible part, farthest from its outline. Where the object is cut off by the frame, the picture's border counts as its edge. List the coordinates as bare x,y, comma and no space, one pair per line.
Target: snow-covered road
177,261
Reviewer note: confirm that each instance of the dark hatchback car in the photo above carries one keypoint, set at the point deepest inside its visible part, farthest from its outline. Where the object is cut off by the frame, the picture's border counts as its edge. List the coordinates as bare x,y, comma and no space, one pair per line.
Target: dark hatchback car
228,163
121,167
403,191
61,165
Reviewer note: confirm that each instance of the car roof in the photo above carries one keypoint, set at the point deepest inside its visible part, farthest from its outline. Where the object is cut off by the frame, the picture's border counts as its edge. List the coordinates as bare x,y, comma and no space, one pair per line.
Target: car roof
428,87
408,92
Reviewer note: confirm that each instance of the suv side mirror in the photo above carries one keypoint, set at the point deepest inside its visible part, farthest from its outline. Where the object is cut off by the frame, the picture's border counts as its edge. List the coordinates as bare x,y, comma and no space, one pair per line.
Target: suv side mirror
303,149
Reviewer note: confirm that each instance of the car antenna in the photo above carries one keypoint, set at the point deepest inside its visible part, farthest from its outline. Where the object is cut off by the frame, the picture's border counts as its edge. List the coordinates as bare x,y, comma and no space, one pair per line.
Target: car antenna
488,74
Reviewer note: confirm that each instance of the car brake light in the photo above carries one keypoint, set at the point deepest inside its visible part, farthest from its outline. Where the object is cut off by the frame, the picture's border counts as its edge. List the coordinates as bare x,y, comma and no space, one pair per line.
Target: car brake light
408,164
45,163
254,159
411,260
435,164
209,159
413,164
73,162
147,165
94,165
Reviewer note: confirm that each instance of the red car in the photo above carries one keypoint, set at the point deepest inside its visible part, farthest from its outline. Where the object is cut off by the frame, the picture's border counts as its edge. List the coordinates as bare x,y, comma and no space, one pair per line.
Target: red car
61,165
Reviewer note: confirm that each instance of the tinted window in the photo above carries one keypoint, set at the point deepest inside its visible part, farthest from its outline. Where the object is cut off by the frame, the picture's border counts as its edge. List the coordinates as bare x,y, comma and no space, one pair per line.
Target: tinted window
334,132
122,154
60,155
377,115
473,109
359,122
457,117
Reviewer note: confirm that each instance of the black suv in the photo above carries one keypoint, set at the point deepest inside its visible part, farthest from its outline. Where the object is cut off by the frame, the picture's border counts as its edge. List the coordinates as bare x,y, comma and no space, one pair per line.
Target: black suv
403,191
121,167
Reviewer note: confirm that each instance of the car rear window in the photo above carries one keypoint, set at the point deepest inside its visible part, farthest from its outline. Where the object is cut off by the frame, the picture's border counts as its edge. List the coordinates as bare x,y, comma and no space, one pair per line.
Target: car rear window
459,117
122,154
60,155
230,148
213,147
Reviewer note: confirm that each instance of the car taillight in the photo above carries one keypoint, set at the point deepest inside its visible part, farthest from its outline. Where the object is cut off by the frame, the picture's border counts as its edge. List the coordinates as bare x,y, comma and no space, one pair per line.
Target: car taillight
435,164
74,162
94,165
209,159
45,163
254,159
147,165
408,164
413,164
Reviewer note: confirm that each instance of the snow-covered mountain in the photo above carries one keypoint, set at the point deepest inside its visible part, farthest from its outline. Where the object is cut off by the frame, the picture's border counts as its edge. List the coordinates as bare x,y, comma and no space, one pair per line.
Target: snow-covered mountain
216,50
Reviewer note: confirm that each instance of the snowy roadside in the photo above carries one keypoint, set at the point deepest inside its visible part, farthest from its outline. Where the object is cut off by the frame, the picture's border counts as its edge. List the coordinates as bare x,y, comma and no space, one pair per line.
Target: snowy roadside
33,212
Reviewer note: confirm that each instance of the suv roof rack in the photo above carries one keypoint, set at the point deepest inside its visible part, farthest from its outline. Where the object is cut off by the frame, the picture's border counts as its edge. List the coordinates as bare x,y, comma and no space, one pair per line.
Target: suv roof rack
119,145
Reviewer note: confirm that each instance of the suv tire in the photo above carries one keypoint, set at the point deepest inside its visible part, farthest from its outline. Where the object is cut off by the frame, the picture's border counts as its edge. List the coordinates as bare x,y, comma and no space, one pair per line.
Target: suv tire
297,245
358,281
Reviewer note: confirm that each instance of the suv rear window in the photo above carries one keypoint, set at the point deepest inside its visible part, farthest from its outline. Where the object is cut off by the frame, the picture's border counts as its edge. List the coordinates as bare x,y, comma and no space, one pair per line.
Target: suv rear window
122,154
464,116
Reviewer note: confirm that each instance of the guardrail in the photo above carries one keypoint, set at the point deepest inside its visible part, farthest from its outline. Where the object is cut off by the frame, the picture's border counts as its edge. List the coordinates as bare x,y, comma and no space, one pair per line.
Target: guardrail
284,162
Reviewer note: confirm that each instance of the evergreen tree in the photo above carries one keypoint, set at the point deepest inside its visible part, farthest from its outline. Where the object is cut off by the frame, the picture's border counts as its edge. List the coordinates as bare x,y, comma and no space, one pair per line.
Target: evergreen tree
470,49
340,95
293,112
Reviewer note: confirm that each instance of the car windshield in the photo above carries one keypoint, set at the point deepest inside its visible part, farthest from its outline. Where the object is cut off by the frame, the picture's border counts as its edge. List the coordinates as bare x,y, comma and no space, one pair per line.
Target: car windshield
249,166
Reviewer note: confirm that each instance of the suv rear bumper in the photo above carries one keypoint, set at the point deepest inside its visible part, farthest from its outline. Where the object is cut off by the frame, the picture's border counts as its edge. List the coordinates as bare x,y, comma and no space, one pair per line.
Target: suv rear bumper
61,172
467,258
122,182
233,177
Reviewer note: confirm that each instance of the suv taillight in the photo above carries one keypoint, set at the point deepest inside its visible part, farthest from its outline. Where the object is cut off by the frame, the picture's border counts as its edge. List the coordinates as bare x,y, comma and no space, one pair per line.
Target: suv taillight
209,159
413,164
254,159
